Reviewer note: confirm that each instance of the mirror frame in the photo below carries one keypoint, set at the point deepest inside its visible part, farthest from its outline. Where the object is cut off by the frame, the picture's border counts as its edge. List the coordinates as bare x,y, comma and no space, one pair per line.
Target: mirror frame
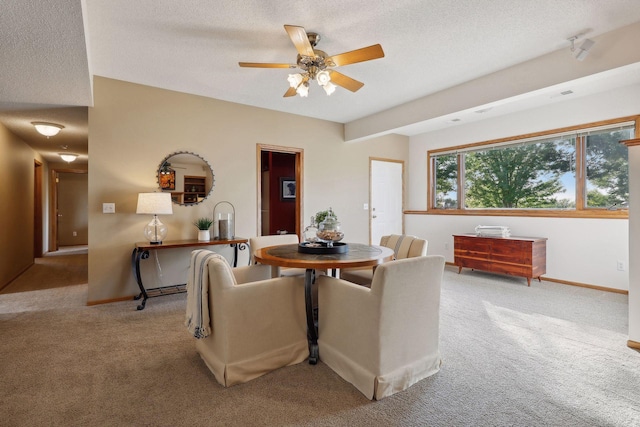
166,160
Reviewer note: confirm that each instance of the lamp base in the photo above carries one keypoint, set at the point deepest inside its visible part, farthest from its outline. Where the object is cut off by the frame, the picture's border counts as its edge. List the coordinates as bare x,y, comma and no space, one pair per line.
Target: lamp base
155,231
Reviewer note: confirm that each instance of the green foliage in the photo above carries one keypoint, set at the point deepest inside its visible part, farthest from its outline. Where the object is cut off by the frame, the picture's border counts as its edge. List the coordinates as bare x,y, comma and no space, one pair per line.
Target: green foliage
203,223
320,216
607,169
523,176
446,171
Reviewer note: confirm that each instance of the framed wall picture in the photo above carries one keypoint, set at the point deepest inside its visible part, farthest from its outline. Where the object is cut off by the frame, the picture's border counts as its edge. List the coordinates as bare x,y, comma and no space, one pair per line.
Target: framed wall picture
168,180
287,189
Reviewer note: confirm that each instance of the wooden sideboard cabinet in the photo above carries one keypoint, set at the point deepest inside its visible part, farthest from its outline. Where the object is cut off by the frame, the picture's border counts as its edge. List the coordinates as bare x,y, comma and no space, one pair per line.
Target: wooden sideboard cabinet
516,256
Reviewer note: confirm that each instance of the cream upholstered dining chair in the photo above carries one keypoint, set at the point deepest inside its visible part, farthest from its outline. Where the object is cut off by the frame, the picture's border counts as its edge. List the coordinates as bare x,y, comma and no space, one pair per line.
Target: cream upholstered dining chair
260,242
247,323
404,246
385,338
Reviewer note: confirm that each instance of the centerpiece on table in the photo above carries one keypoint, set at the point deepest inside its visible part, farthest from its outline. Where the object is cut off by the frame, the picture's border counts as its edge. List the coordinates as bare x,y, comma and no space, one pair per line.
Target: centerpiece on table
328,233
203,225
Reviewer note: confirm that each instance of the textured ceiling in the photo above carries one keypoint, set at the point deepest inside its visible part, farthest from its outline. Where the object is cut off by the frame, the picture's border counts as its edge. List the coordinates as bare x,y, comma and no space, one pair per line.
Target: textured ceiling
51,49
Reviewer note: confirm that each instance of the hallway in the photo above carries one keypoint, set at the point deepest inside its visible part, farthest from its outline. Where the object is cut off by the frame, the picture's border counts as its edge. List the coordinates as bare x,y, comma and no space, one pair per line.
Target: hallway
57,280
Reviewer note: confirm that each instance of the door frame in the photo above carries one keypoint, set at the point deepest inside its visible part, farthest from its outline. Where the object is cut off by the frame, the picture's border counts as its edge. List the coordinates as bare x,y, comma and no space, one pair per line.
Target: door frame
299,160
53,204
38,233
382,159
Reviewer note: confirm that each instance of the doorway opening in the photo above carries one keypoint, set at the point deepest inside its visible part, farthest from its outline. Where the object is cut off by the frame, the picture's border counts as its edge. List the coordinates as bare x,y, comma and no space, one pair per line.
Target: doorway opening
386,198
280,189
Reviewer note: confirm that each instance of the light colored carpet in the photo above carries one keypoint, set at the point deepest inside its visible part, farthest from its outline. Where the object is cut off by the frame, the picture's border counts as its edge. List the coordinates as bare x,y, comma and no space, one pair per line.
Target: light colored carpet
54,270
548,355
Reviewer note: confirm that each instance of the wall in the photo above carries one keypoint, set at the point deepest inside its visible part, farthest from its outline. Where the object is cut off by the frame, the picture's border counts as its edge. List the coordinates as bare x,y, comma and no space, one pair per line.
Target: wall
578,250
133,127
16,205
634,246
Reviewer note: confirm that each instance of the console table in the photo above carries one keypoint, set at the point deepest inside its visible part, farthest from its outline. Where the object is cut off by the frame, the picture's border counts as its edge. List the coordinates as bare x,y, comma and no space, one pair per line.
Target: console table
141,251
516,256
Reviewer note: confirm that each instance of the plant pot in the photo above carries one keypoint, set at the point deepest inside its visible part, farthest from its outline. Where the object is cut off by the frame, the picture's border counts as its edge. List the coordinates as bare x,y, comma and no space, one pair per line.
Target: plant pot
204,235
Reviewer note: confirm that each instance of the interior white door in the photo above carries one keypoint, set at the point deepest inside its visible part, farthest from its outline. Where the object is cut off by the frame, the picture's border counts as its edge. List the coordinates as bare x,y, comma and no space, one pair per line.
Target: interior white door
387,197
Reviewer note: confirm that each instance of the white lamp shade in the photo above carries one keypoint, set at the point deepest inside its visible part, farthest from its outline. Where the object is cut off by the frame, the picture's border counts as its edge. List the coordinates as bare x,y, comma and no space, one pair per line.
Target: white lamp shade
47,129
154,203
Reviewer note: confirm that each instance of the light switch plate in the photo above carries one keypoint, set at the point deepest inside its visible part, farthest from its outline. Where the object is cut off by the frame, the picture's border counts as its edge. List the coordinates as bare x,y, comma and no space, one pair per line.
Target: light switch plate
108,208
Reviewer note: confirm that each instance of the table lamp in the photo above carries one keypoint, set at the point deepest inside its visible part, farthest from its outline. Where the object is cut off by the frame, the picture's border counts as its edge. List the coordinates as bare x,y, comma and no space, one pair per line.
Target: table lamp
155,204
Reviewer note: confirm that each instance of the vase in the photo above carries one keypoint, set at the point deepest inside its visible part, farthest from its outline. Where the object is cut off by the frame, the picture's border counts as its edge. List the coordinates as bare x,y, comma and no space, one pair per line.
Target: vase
204,235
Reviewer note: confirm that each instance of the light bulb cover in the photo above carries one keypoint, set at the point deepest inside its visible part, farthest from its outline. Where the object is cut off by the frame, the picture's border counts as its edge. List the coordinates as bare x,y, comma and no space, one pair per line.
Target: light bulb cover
323,77
303,89
47,129
68,157
329,88
294,80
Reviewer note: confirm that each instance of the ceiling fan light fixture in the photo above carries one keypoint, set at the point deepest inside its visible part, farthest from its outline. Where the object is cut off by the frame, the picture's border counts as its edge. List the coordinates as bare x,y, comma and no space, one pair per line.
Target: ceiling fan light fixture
294,80
329,88
303,89
323,77
47,129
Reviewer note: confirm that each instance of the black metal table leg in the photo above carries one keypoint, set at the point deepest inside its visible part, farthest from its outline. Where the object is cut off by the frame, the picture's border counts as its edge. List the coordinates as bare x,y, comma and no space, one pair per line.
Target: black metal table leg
312,332
136,255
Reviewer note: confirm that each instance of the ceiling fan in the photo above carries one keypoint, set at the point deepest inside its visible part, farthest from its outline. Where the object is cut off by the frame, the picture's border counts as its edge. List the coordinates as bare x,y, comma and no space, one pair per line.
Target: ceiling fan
317,65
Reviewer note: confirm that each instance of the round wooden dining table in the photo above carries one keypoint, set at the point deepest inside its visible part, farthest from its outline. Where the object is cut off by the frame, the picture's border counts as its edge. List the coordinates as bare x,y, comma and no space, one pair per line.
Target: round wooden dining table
358,255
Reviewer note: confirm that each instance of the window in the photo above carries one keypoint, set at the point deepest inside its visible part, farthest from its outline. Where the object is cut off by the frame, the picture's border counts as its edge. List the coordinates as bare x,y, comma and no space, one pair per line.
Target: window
446,174
578,170
607,178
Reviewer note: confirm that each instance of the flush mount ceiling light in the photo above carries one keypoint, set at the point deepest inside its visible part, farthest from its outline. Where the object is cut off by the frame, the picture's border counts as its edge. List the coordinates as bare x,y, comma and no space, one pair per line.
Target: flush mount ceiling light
68,157
317,65
47,129
581,52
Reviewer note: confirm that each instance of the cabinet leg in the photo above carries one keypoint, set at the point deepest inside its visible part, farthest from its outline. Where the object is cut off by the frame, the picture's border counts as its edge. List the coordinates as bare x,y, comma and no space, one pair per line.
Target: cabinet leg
459,269
528,281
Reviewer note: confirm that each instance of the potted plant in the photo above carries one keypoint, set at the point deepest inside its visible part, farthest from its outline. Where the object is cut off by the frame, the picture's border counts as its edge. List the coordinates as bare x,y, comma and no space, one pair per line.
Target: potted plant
203,225
320,216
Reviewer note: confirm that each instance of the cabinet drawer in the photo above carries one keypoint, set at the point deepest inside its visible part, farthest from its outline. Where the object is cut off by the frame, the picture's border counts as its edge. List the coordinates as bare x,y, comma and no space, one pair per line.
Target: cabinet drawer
478,264
475,244
512,269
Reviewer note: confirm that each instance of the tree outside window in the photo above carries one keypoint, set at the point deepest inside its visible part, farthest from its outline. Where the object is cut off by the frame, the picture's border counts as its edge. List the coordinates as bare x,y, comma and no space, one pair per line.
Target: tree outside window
537,174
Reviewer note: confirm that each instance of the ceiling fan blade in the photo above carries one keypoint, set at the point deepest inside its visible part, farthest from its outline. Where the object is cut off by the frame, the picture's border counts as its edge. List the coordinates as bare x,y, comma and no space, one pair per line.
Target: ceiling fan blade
344,81
358,55
300,40
290,92
266,65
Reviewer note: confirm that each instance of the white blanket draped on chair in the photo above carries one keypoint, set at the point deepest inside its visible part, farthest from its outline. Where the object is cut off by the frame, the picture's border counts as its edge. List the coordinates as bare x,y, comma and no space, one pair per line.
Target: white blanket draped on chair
198,321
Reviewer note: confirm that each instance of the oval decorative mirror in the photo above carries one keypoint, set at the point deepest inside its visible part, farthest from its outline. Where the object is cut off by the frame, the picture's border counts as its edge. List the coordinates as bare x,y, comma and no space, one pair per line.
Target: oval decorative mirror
187,176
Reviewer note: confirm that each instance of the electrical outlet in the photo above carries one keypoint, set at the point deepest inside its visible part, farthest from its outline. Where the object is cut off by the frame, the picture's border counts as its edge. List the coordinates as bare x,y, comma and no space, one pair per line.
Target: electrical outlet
620,265
366,206
446,246
108,208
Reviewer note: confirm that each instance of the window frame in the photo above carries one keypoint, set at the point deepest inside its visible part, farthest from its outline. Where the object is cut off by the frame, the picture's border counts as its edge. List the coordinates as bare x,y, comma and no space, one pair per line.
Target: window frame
580,211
